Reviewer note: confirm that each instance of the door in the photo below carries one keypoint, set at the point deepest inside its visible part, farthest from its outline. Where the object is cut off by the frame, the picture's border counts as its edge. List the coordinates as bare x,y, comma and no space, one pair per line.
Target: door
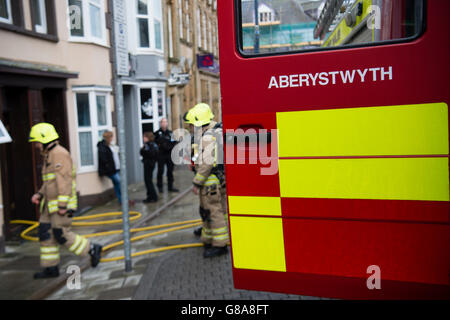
18,168
345,191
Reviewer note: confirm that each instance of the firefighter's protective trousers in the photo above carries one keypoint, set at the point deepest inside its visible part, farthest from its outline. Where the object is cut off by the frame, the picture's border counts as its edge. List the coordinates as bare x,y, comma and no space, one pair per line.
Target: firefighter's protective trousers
58,192
212,192
215,228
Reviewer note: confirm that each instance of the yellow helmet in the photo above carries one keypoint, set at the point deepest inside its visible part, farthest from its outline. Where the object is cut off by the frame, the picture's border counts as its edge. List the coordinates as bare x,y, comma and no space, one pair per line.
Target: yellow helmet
199,115
43,133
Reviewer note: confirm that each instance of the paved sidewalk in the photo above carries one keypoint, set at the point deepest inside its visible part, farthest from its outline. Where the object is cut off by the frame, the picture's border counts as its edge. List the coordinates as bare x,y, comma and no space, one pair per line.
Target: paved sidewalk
186,275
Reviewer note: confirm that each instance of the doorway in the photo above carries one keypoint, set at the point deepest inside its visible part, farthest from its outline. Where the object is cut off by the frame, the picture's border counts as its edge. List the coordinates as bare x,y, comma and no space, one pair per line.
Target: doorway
21,164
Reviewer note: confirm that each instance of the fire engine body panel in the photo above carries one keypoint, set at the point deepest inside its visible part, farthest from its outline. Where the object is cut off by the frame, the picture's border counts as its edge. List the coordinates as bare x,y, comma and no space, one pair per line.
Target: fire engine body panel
361,146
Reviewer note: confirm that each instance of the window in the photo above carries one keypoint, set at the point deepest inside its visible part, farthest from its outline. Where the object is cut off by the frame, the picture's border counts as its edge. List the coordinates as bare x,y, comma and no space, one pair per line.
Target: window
5,11
147,105
160,103
76,18
157,22
180,17
199,32
39,15
210,36
87,21
149,20
170,30
188,21
153,107
215,39
143,24
205,45
93,119
95,12
292,26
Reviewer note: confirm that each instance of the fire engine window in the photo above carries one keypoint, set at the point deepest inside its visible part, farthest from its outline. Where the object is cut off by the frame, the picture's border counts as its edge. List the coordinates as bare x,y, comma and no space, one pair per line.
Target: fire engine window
280,26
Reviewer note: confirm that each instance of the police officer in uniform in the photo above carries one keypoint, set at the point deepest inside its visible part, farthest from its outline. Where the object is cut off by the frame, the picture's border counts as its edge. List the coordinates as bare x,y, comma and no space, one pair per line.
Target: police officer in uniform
165,142
209,180
58,201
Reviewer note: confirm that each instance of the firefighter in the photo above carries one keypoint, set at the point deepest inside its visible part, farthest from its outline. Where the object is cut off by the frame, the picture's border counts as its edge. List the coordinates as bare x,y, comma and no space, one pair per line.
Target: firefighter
209,180
58,201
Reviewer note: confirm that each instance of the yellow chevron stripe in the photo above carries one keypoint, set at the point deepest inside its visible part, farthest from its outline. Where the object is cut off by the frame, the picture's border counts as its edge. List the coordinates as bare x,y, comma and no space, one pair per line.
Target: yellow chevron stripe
383,178
393,130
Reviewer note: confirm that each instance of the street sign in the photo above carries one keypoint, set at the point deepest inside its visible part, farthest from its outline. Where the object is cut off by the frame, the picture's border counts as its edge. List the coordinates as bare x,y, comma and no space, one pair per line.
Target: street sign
205,61
179,79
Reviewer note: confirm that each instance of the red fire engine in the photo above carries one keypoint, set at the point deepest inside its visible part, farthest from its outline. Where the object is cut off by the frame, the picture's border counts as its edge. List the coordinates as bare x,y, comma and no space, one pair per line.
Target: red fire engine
356,113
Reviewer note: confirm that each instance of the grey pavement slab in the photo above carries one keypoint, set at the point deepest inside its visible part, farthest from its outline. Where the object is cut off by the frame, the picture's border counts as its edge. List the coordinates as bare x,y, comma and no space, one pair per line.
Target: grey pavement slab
186,275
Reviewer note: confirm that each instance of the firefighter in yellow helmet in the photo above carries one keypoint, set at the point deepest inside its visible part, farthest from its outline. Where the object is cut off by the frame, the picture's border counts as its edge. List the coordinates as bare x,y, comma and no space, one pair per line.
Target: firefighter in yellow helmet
58,201
209,180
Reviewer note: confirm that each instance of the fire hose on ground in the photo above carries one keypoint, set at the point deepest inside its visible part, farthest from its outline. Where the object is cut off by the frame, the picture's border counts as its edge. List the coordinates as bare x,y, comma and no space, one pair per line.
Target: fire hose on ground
134,215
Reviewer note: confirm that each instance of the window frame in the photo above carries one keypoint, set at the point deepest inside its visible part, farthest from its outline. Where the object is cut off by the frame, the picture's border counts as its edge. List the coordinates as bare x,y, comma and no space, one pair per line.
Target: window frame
87,24
210,37
180,19
204,32
187,20
149,25
170,30
199,28
155,87
215,37
94,128
151,18
43,11
239,38
9,11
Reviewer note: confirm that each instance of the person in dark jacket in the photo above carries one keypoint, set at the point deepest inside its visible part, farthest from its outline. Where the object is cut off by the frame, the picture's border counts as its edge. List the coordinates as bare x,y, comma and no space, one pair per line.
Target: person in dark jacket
149,153
165,142
108,162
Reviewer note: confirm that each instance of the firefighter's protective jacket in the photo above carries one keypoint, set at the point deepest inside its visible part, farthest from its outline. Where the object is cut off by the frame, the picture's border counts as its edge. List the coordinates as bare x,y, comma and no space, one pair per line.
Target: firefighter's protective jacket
59,179
207,158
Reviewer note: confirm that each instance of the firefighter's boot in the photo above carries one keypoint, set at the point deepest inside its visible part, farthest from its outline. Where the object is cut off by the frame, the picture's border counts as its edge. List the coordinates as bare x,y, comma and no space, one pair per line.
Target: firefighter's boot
215,252
49,272
198,232
96,254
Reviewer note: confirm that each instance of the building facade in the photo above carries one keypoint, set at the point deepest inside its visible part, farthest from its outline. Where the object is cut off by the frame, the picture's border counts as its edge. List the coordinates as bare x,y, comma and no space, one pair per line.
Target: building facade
173,65
192,56
144,87
56,69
